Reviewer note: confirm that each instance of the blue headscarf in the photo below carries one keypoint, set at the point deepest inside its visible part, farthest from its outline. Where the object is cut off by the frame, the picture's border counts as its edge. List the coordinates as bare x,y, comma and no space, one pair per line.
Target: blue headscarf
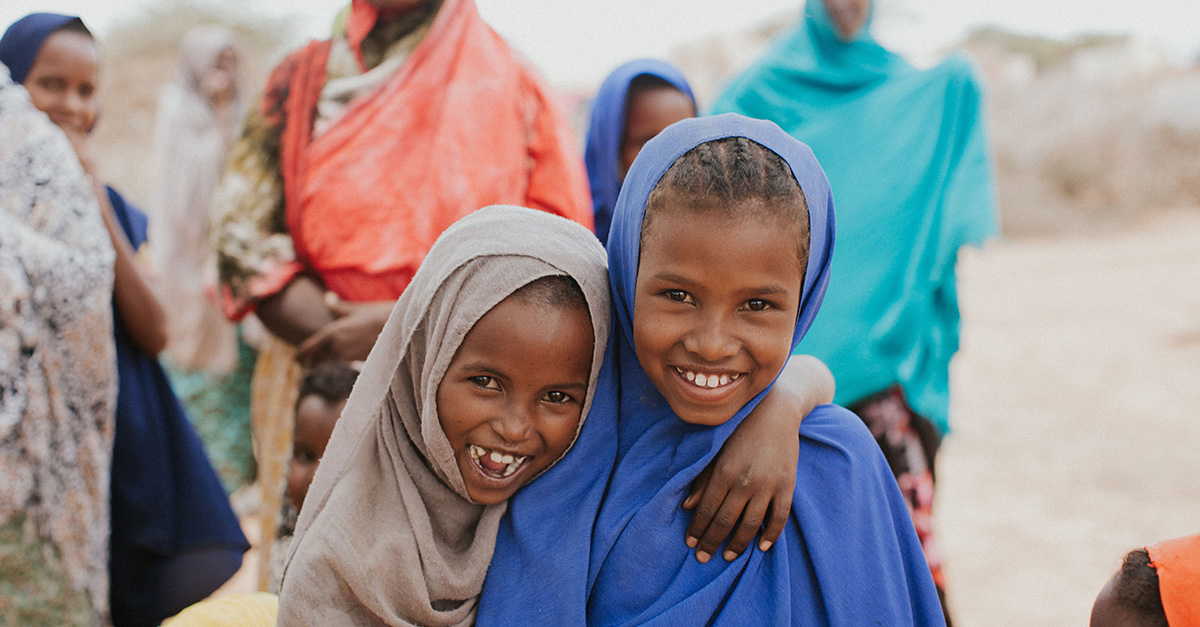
599,538
906,151
607,128
24,38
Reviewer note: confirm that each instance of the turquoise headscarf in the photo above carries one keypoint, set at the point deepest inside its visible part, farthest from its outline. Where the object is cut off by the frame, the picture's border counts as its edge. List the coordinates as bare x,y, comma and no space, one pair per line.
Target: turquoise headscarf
906,154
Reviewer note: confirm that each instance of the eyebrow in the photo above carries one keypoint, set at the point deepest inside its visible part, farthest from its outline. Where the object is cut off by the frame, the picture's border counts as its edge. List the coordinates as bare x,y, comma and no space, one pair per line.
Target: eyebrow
484,368
773,289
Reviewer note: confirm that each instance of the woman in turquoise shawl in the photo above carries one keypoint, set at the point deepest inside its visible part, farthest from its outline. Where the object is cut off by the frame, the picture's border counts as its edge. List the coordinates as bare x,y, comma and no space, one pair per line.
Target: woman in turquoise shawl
906,154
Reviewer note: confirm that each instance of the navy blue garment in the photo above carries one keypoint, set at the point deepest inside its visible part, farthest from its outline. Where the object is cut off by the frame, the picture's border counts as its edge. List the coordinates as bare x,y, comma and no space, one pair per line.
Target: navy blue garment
175,538
607,127
24,38
599,538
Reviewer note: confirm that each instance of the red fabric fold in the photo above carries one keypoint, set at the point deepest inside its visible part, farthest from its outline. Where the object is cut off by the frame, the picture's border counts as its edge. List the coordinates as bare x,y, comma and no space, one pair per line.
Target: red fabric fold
462,125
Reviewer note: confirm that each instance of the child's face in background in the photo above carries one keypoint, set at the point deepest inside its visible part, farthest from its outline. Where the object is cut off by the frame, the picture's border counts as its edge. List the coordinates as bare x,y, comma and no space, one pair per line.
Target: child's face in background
715,307
512,397
62,81
315,419
651,111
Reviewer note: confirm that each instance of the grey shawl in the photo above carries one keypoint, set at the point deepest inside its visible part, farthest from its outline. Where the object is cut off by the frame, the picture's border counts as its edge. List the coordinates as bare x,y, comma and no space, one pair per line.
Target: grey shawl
388,535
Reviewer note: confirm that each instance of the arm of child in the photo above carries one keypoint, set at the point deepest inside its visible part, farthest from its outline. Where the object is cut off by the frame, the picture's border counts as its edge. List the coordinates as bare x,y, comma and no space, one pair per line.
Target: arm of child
137,305
752,478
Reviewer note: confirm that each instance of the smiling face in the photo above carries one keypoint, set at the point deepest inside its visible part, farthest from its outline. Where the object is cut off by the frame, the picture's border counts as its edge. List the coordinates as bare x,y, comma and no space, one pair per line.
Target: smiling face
62,80
715,306
512,397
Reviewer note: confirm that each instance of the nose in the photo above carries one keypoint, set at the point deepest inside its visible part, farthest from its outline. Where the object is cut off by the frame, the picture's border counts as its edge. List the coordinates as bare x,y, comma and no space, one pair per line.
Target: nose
515,424
712,338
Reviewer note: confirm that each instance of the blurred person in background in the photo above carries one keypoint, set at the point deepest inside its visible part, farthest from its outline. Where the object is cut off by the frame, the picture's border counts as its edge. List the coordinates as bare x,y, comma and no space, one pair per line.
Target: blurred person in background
174,538
363,149
634,103
57,372
209,362
907,155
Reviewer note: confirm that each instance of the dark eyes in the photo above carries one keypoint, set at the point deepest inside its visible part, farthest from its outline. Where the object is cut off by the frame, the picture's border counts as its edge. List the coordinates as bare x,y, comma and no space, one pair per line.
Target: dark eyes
51,82
485,381
305,457
558,398
679,296
757,304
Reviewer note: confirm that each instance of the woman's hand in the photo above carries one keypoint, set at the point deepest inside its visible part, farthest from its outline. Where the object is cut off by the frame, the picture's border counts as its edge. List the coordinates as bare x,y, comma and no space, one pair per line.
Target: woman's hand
350,336
752,479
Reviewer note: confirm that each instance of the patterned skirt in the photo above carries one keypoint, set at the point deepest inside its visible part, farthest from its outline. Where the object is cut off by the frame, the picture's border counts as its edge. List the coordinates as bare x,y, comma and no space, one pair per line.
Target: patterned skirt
910,443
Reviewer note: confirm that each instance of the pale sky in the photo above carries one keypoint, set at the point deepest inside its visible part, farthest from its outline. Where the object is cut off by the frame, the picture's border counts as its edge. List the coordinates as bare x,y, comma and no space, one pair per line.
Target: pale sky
577,42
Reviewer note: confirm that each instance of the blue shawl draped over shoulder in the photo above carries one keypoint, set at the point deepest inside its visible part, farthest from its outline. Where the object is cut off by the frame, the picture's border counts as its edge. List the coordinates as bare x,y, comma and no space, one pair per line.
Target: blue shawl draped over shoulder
607,128
906,153
599,539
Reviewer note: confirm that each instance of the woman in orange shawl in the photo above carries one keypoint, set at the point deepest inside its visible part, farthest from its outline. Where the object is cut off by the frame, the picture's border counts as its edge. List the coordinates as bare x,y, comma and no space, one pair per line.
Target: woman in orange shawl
365,147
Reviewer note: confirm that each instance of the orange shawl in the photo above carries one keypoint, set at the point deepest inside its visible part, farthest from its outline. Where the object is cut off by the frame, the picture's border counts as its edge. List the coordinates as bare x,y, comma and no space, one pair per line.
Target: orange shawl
1178,564
464,123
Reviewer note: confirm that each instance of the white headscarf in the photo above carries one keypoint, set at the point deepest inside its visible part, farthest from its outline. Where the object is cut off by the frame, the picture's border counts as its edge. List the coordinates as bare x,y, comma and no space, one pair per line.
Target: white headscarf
190,146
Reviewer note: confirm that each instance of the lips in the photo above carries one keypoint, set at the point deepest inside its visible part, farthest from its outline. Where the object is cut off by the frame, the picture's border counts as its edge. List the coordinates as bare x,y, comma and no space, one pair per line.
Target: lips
494,463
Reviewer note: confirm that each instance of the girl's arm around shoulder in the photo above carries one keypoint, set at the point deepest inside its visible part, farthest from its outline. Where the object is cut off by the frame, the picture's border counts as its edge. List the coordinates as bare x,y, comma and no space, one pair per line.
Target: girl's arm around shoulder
752,479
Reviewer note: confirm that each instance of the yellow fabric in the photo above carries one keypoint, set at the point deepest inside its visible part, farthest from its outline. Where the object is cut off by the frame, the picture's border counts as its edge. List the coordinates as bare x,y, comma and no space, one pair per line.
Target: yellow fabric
272,401
242,610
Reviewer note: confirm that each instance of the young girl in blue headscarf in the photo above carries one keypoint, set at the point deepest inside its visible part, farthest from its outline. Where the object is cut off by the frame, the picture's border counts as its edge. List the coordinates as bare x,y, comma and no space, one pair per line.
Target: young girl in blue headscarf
907,152
718,260
174,537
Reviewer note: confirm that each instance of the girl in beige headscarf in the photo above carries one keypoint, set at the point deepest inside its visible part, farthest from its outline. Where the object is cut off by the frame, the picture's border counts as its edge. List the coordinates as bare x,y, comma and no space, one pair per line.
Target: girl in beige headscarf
478,383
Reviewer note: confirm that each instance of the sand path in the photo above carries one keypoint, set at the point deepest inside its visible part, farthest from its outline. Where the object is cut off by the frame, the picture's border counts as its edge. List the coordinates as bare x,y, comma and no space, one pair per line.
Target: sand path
1076,414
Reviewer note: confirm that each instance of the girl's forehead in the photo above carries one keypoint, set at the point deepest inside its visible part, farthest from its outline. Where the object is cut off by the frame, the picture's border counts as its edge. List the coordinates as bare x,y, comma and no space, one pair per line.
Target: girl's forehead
67,47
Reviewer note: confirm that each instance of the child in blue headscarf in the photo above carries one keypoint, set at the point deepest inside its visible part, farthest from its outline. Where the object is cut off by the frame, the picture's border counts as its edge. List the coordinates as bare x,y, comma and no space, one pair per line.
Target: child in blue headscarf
175,538
906,150
635,103
718,260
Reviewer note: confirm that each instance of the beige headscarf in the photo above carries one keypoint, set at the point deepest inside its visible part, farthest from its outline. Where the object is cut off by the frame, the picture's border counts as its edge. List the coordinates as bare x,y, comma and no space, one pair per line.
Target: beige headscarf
388,535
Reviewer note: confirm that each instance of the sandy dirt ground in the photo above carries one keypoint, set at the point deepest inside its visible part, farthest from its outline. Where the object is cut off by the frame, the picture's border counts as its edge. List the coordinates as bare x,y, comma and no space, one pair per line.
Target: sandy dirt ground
1076,419
1076,416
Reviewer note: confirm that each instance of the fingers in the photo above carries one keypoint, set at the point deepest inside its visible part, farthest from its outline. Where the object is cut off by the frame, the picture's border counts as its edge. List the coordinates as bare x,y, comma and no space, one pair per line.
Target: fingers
708,496
316,347
722,524
698,487
751,522
781,507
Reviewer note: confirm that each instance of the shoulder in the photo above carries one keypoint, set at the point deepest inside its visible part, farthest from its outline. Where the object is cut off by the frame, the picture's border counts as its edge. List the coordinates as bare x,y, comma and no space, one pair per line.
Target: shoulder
833,430
958,71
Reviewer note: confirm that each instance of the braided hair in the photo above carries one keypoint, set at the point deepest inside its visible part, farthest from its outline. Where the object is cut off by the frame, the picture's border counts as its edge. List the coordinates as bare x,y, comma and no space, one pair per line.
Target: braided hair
736,178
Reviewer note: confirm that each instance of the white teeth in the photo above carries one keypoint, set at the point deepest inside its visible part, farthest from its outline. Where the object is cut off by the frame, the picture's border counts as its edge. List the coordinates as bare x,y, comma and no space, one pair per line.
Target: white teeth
513,462
708,380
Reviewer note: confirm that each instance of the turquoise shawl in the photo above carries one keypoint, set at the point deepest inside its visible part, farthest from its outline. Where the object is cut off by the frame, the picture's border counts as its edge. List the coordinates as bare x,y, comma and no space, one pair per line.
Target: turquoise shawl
906,154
